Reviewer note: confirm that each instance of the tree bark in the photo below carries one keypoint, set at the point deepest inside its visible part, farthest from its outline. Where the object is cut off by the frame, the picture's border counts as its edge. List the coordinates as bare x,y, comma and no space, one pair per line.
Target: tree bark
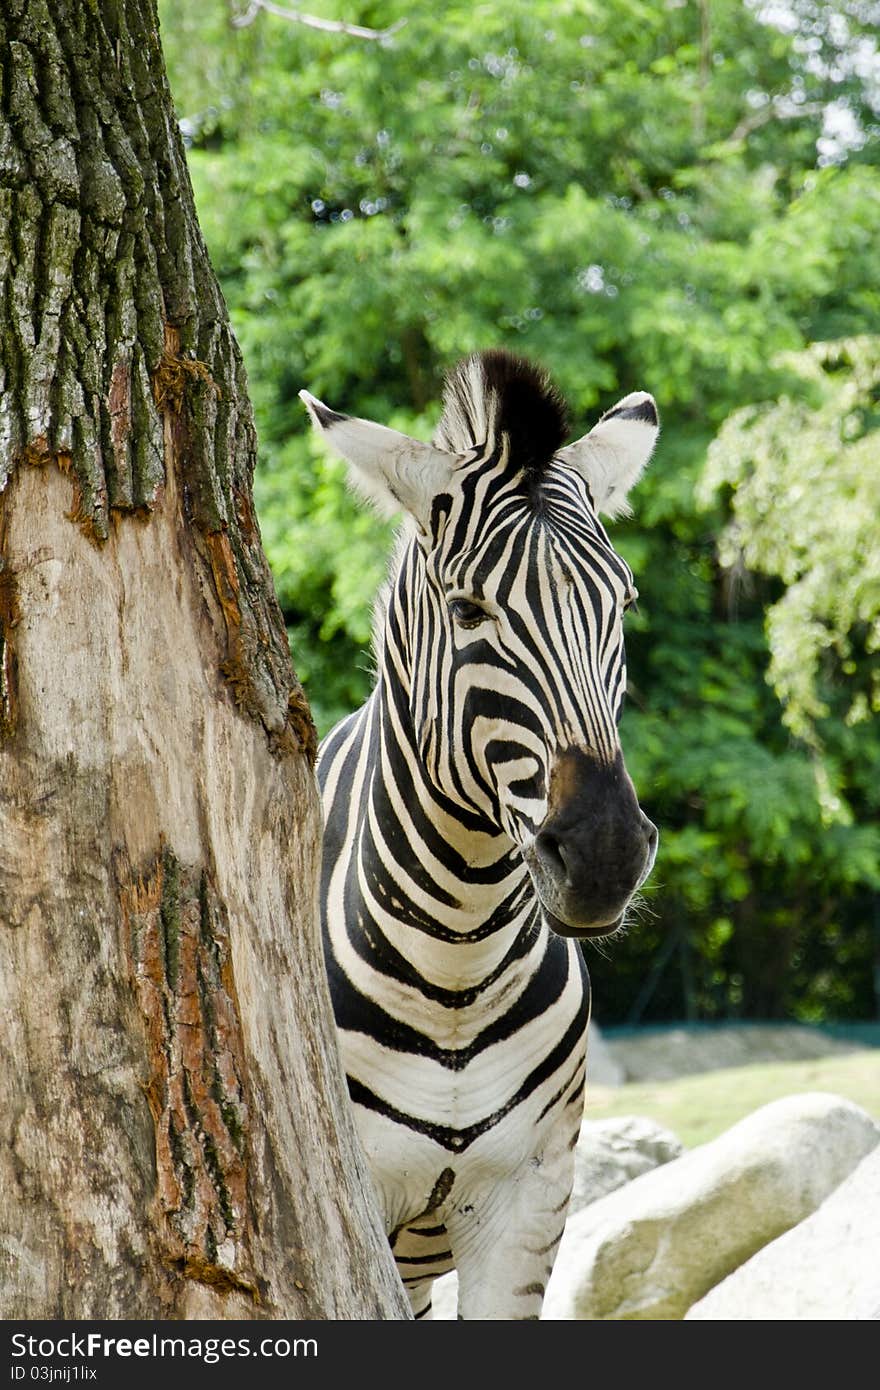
175,1139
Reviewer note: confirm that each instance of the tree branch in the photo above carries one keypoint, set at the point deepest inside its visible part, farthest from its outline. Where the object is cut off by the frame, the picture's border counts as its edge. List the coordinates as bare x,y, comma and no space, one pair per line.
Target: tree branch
772,112
330,26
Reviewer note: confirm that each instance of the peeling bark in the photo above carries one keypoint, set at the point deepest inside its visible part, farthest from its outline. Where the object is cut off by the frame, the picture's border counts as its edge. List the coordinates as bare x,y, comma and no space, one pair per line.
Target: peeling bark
176,1140
182,970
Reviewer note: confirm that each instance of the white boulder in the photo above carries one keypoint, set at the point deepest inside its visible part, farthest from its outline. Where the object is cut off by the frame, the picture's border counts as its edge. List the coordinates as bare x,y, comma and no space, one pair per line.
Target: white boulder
827,1268
614,1151
444,1298
652,1248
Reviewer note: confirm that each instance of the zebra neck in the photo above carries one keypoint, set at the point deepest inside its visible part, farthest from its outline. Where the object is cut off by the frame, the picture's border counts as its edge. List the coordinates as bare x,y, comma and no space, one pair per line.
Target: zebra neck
443,886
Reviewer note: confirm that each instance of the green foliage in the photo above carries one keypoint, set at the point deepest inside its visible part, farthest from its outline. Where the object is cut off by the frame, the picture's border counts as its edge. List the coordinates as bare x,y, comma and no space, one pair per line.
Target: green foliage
639,194
805,471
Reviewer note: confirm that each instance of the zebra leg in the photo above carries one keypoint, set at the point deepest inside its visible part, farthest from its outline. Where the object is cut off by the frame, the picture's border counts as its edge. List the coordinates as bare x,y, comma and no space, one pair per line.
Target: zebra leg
422,1253
505,1264
505,1240
420,1299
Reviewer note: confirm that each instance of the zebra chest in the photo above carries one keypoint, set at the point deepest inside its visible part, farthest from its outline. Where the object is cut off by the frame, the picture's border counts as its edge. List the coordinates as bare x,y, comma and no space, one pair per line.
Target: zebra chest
474,1089
467,1131
449,1071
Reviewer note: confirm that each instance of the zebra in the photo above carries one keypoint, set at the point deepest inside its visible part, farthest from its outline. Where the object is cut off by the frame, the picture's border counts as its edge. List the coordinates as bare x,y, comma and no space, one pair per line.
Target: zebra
479,820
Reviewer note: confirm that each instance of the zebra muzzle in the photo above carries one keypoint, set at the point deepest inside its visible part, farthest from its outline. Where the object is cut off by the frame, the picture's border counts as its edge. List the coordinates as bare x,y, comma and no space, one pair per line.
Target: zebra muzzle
594,849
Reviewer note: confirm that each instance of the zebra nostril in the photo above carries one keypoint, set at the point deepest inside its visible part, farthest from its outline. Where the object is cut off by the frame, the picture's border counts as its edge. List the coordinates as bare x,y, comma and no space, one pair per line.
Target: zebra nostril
550,849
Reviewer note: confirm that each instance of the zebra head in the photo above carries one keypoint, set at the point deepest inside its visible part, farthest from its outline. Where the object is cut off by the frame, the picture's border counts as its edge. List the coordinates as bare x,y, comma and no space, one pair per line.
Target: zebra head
504,627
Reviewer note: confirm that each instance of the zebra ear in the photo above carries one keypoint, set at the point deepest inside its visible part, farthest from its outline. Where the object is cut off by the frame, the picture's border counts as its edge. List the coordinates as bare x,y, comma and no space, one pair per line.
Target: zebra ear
390,469
612,456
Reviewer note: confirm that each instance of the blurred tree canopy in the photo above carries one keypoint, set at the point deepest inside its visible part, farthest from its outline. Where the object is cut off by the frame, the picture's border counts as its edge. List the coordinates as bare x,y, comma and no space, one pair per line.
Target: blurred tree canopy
805,475
660,194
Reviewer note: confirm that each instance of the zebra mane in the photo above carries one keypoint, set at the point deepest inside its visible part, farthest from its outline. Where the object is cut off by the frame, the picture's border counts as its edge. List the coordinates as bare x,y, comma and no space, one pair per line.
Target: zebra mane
494,393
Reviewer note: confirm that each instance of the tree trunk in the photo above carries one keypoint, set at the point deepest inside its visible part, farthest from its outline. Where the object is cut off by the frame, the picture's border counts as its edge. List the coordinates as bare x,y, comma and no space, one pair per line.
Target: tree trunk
175,1139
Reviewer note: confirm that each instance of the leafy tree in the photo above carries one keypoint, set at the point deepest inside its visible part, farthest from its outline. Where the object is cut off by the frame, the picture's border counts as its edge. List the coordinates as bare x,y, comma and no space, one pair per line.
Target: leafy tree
804,474
639,194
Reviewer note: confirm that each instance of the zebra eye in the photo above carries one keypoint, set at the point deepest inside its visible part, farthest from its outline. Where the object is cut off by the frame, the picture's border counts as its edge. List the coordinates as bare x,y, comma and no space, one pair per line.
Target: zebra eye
466,613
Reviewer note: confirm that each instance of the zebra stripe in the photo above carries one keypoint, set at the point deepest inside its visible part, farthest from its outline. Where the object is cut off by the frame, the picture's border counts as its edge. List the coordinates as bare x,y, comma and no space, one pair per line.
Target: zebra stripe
478,819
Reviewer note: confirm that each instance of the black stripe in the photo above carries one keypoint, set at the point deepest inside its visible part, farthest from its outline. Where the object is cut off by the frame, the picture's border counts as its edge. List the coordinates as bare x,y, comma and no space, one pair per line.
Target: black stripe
424,1259
577,1093
325,416
562,1090
545,1249
645,411
357,1014
457,1140
374,948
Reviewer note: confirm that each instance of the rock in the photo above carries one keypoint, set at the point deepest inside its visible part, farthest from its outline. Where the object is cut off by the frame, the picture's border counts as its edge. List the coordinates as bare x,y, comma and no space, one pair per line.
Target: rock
826,1268
603,1069
661,1054
612,1152
652,1248
444,1298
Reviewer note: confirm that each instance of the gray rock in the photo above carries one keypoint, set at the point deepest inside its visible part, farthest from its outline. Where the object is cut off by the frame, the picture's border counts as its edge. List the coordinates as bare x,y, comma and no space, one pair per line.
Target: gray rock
652,1248
827,1268
612,1152
662,1054
603,1068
